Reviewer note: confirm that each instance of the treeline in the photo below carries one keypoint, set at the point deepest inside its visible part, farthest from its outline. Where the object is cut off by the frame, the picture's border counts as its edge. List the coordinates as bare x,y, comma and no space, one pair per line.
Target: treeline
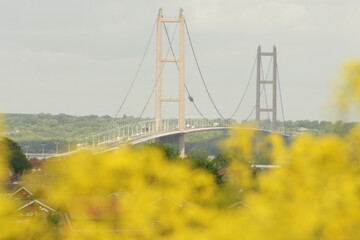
56,131
339,128
320,127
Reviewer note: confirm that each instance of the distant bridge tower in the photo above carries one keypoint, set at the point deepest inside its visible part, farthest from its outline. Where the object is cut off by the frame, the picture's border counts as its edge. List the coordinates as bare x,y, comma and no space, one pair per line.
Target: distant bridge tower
159,67
261,82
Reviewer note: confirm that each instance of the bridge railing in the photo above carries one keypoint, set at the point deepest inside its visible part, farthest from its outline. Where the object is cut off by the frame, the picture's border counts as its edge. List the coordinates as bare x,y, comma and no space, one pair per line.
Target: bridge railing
120,134
196,122
123,133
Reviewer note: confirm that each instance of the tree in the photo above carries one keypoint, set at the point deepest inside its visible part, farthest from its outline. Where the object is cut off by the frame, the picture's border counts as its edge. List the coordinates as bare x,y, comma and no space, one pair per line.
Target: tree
17,160
54,218
168,150
221,160
199,159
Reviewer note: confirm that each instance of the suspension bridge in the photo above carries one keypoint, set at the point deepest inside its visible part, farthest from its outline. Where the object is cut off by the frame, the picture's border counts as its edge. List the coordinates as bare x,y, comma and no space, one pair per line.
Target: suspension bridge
174,130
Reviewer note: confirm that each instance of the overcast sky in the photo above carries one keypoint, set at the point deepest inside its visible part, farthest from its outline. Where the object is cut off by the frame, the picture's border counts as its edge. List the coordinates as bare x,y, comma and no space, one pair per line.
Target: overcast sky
79,56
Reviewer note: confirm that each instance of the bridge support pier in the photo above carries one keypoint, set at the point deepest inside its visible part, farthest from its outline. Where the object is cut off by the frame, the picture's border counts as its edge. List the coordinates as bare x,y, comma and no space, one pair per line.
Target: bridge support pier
182,145
175,139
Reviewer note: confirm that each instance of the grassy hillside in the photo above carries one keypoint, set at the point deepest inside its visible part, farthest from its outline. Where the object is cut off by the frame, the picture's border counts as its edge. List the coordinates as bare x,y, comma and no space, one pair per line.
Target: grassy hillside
35,129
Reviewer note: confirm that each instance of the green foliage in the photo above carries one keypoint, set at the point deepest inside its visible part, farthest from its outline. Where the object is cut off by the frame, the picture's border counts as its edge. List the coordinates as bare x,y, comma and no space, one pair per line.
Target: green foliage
198,154
35,129
17,160
211,167
339,128
205,140
261,159
221,160
54,218
168,150
199,157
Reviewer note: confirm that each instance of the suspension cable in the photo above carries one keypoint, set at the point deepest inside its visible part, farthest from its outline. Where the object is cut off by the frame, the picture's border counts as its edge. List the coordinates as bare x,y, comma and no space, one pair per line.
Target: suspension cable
281,101
252,111
245,91
201,75
146,104
135,76
177,65
263,87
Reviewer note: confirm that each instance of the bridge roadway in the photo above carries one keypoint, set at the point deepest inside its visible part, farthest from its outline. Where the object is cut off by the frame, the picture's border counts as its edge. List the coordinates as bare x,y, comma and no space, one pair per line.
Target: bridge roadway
138,138
149,137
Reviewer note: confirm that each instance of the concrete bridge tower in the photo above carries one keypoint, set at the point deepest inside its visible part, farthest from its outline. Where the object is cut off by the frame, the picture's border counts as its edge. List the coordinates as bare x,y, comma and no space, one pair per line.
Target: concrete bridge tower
261,82
160,60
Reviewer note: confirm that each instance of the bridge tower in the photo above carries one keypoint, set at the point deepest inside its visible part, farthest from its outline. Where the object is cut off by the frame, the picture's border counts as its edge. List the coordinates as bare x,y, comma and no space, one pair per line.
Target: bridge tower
160,60
262,82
